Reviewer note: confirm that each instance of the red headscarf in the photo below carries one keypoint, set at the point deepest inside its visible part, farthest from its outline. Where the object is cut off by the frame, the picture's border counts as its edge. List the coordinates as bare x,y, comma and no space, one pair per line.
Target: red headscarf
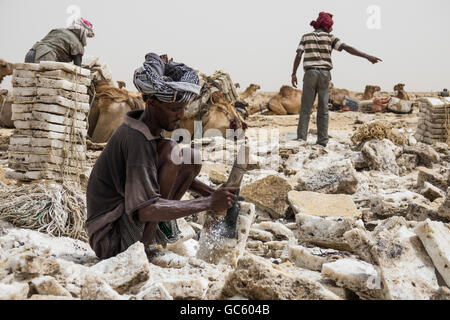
324,21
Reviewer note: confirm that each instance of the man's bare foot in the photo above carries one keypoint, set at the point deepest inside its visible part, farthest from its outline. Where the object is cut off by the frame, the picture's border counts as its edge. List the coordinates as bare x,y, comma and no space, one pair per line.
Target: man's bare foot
152,251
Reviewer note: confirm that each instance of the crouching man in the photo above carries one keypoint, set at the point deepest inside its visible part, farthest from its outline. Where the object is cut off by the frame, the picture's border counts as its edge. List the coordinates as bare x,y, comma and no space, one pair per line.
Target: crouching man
135,187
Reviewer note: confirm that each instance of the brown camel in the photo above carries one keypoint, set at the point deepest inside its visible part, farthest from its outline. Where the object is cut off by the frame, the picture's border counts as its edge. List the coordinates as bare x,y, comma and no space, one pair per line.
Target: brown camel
401,93
108,110
370,91
287,101
5,110
337,96
6,69
217,114
251,89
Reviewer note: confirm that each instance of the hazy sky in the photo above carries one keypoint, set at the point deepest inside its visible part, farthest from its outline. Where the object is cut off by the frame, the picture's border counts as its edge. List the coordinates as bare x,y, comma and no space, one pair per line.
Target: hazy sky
254,40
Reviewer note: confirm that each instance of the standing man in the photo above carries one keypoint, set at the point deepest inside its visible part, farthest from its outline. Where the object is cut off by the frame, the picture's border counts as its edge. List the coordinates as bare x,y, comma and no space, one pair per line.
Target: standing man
317,64
63,44
135,187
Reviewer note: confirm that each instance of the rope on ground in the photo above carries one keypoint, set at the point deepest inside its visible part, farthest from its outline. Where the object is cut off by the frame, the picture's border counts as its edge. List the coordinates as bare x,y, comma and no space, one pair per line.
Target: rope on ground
377,130
56,209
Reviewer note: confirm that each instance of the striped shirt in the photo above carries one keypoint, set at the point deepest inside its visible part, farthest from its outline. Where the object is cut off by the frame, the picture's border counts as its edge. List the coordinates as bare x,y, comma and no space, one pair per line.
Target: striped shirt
317,47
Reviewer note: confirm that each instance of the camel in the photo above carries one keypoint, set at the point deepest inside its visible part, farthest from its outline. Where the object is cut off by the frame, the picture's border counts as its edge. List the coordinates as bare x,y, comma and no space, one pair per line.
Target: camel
251,89
6,69
109,108
401,93
287,101
5,110
370,91
216,113
337,96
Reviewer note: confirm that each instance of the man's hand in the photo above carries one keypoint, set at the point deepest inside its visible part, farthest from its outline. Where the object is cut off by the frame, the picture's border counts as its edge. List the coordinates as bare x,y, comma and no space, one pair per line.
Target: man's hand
222,199
294,81
373,59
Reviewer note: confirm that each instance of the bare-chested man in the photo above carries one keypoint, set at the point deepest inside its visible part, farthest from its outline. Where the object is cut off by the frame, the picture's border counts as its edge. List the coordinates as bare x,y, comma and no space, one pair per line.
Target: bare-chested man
135,187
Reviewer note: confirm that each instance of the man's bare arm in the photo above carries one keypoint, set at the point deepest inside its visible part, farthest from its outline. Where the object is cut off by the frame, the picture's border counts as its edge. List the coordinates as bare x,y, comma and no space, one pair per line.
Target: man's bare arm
201,188
165,210
298,58
358,53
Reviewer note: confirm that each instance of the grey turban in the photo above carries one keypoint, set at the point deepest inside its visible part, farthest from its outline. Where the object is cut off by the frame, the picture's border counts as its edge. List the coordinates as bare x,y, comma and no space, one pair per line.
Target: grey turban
168,82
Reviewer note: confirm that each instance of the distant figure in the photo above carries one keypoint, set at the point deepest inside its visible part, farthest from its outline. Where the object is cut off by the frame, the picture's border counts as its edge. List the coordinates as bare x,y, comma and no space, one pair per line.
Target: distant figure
63,44
444,93
317,64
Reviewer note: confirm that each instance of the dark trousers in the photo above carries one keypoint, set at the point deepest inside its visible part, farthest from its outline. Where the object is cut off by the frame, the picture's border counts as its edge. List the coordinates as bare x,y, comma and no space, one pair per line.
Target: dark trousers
315,81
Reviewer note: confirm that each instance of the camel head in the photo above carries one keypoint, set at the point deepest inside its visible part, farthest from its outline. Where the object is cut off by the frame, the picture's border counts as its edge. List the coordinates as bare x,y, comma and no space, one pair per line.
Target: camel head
370,91
6,69
399,87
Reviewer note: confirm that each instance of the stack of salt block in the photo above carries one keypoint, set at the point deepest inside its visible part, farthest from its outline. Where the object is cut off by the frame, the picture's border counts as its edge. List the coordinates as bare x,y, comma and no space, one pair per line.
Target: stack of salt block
434,120
50,111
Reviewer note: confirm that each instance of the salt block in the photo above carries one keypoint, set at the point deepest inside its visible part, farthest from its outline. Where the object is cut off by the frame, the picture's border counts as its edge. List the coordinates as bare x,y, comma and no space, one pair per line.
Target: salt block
430,176
63,93
46,285
61,84
214,248
28,263
18,74
435,237
27,66
24,92
81,113
21,108
186,288
68,67
38,175
22,134
381,155
268,194
44,142
431,192
258,279
335,178
406,269
312,258
63,75
360,277
187,232
14,291
279,231
126,270
323,205
50,297
155,291
95,287
41,166
259,234
187,248
53,118
63,153
43,125
327,232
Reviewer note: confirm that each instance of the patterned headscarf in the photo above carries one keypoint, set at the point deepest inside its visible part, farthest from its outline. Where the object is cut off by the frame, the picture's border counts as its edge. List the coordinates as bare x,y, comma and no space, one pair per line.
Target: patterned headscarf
84,29
167,81
324,21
